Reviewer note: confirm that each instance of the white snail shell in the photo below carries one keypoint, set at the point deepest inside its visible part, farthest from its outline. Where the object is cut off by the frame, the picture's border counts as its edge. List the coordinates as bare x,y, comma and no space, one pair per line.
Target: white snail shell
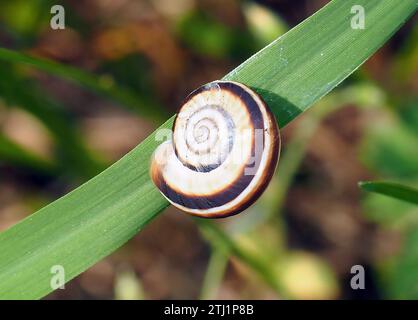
224,150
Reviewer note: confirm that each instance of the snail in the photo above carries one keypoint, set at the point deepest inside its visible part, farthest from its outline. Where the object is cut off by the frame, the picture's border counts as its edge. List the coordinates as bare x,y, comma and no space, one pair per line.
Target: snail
224,150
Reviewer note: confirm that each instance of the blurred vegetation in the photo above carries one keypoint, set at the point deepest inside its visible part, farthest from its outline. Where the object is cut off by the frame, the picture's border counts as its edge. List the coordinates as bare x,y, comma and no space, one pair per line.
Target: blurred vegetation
124,65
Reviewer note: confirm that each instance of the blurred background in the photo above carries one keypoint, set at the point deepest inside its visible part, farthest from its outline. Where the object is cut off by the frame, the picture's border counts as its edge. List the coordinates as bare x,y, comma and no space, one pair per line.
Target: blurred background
132,62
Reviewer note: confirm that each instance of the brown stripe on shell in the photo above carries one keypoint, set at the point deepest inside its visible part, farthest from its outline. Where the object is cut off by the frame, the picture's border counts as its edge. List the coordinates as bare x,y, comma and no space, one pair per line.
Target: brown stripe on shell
246,100
234,188
263,182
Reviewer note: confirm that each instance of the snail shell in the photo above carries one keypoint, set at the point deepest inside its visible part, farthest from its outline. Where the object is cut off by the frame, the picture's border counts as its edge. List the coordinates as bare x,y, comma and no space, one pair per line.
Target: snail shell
224,150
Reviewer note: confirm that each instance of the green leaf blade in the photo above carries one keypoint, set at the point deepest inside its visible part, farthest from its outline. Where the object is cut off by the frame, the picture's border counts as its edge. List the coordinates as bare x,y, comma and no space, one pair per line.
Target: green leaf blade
394,190
81,228
299,68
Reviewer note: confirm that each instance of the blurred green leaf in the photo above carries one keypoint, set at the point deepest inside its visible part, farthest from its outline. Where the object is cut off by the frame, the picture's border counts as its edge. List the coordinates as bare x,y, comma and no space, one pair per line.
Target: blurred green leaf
14,154
24,16
401,278
257,261
89,223
406,63
390,148
217,264
17,91
263,23
409,113
393,190
388,213
209,37
134,72
144,106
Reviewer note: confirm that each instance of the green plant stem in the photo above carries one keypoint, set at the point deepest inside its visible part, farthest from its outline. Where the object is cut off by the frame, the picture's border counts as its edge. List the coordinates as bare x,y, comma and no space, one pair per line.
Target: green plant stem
214,274
258,263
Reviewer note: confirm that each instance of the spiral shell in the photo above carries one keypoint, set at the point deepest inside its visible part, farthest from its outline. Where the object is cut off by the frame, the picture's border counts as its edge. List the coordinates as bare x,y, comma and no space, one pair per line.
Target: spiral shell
224,150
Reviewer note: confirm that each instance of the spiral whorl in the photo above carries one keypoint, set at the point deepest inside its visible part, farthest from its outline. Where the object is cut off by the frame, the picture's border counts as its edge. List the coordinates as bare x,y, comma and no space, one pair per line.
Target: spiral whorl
224,151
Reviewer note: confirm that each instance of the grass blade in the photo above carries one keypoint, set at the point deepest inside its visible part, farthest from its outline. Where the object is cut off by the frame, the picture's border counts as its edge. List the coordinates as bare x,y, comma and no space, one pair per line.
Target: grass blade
306,63
92,221
80,228
257,262
142,105
394,190
215,272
